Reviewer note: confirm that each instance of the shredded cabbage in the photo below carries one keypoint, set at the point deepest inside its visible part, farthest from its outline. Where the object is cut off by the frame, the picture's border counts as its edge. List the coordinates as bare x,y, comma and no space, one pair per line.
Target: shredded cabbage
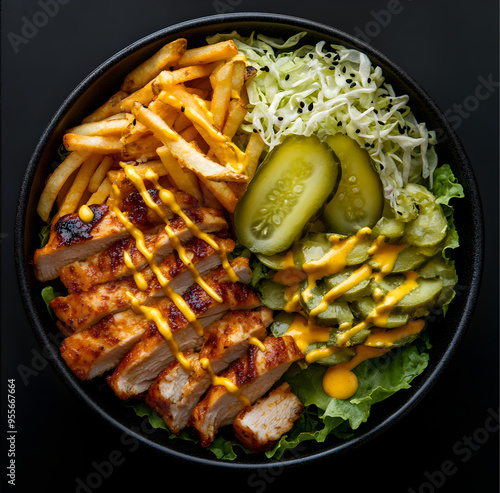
311,90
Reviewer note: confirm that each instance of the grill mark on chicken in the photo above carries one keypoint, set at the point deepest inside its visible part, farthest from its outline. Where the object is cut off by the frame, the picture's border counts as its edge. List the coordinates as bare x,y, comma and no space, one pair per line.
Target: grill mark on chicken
71,229
142,364
79,310
100,348
101,234
175,392
109,265
254,374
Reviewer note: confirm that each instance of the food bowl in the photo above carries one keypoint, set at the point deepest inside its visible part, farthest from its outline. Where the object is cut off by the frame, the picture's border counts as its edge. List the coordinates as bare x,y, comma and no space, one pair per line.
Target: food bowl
103,82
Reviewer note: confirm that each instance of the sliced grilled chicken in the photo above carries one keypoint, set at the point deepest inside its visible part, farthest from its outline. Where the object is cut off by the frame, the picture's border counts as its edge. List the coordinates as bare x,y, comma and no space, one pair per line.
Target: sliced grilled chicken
259,427
79,310
94,351
142,364
174,396
253,374
100,348
72,239
109,265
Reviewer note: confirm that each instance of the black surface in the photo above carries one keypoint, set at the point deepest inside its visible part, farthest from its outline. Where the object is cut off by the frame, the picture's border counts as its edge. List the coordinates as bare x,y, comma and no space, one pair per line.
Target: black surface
61,443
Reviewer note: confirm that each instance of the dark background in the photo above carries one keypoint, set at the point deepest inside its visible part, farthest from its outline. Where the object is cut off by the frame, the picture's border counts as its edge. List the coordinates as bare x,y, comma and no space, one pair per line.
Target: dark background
450,48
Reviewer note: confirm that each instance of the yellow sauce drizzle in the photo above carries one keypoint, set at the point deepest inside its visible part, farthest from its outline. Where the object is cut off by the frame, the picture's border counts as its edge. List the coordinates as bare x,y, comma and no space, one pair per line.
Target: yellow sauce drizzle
292,295
138,277
333,261
359,275
141,246
154,315
385,255
134,177
380,313
257,342
339,381
86,214
167,197
305,333
386,337
288,262
225,382
317,354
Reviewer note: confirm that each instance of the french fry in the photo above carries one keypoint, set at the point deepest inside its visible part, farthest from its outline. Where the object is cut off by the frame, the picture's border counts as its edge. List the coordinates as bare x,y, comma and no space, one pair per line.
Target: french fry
101,194
142,149
222,85
103,127
134,131
92,143
184,179
182,122
189,134
181,75
109,108
100,173
179,96
190,157
56,182
201,84
77,189
166,112
144,95
253,152
167,56
83,199
238,78
209,53
209,198
235,116
219,147
64,189
201,93
119,178
116,116
222,193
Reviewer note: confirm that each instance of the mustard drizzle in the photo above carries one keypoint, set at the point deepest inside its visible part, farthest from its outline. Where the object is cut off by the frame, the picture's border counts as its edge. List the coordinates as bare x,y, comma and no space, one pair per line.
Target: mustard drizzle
305,332
151,313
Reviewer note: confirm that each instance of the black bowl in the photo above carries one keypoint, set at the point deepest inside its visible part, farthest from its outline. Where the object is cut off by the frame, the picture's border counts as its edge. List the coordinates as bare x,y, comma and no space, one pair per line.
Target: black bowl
104,81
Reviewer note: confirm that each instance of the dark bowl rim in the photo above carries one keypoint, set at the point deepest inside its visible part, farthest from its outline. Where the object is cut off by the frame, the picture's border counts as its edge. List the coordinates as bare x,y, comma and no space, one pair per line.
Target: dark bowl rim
273,18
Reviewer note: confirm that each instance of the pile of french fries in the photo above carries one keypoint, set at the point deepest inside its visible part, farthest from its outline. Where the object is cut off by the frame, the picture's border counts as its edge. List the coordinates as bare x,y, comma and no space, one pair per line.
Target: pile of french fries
177,114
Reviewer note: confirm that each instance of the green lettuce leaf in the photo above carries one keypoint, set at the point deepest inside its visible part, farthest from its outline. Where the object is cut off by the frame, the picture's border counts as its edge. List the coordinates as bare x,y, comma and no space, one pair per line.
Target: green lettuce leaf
48,294
378,379
446,186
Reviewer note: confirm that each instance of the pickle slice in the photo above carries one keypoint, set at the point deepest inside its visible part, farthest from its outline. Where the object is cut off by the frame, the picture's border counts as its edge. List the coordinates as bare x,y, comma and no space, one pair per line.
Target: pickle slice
430,226
359,200
287,193
336,313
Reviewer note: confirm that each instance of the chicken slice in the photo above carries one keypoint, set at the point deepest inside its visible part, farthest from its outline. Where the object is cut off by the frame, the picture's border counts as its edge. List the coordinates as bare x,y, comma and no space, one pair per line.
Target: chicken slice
100,348
80,310
72,239
109,265
174,396
259,427
142,364
253,374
